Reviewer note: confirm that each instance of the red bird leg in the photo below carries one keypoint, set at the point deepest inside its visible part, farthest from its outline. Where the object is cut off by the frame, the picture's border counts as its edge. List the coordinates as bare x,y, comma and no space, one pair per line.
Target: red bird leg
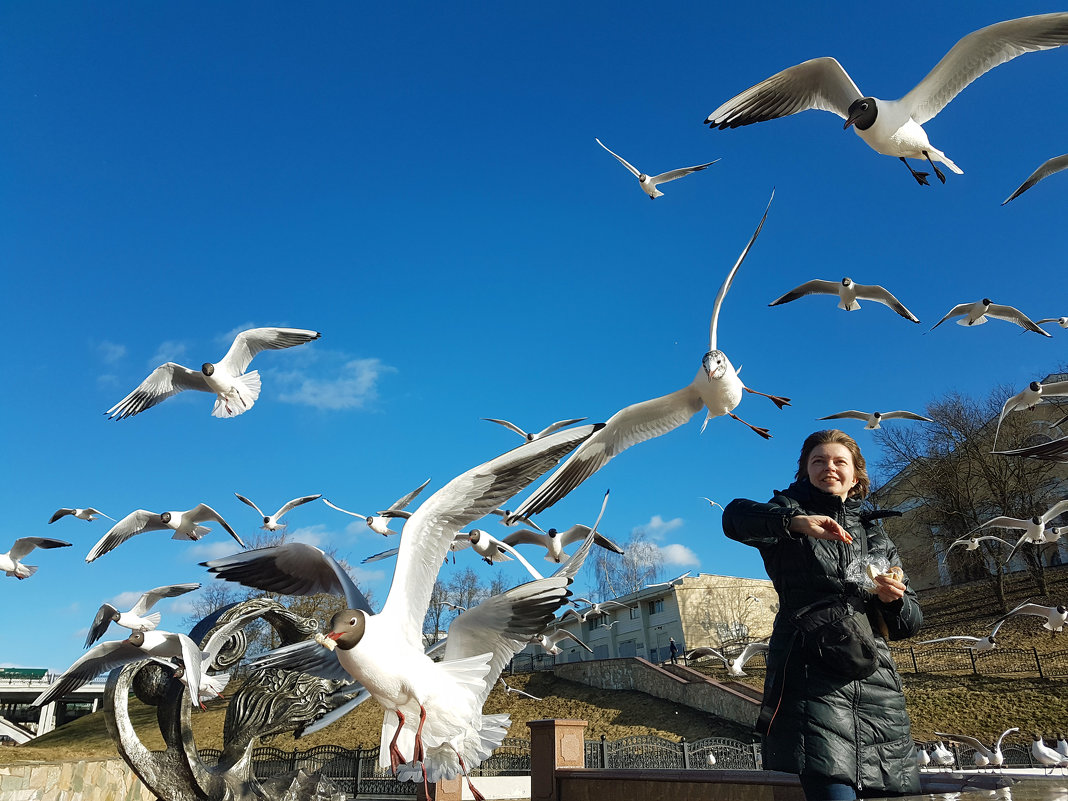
417,753
395,758
475,793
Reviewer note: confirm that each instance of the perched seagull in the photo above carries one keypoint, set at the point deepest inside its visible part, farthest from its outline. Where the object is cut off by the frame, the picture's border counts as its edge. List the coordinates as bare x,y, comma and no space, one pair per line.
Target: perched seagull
872,419
508,690
186,526
551,637
983,756
972,543
528,436
1033,528
893,127
1056,616
716,387
978,312
1045,755
734,666
847,293
1062,746
649,182
923,759
384,651
270,522
942,755
138,617
554,541
987,643
1029,397
82,514
1061,321
1055,164
380,524
236,391
106,656
11,562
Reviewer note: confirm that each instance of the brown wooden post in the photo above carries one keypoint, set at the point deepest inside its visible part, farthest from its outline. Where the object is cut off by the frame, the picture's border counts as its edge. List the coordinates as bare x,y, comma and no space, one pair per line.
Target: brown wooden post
554,744
442,790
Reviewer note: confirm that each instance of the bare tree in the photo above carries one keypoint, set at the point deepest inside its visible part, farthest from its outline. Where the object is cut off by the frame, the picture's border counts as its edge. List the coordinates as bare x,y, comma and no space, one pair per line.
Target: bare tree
616,576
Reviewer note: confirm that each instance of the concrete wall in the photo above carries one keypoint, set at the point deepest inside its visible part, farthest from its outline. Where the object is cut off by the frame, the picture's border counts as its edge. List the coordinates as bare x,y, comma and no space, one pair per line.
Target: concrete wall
88,780
681,685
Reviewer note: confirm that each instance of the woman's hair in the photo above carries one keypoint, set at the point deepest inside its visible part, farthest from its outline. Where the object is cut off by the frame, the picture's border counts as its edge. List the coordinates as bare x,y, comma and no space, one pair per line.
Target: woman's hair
860,489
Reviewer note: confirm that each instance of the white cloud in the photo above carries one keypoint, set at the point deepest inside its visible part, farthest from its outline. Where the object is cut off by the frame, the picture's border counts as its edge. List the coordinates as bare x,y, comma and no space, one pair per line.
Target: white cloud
203,551
354,387
110,352
309,535
227,338
180,606
657,527
679,555
125,600
170,351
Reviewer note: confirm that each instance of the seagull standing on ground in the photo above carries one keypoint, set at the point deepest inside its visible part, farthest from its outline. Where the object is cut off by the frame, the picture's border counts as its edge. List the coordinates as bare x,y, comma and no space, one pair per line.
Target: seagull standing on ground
649,182
978,312
11,562
872,419
89,514
847,293
1045,755
983,756
716,387
270,522
1055,164
235,390
942,755
893,127
380,523
186,526
138,617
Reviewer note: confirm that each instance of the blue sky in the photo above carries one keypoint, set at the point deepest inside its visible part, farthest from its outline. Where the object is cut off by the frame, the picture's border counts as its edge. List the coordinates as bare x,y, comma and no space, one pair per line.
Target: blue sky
421,184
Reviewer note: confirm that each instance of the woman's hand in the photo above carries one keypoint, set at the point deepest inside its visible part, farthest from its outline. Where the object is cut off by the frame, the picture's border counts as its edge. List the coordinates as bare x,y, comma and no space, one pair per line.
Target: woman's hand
888,588
819,527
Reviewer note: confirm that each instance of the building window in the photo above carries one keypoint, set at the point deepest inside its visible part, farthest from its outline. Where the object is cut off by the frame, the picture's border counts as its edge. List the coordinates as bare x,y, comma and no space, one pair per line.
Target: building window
656,606
635,612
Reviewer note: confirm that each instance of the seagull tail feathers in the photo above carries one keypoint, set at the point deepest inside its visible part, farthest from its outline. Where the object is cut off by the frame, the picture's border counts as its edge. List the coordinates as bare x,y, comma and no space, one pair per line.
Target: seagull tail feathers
964,320
248,393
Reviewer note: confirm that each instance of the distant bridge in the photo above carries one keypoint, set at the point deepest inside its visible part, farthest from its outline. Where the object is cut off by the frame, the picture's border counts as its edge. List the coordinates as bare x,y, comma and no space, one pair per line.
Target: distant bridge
20,686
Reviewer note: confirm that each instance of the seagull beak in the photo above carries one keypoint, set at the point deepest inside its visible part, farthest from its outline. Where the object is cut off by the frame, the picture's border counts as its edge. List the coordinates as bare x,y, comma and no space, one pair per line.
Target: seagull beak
850,120
334,635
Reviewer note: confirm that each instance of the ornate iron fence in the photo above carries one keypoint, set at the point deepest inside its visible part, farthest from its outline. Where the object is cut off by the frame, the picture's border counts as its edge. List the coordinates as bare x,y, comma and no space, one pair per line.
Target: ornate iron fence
656,753
512,758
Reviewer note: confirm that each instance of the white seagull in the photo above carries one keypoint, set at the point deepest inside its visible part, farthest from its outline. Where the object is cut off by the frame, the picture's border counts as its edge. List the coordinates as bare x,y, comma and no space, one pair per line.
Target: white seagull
551,637
380,523
987,643
942,755
11,562
872,419
554,541
893,127
385,652
1061,321
185,525
734,666
1029,397
138,618
649,182
847,292
984,756
529,436
508,690
1034,529
1055,616
106,656
89,514
977,313
1045,755
236,391
972,543
270,522
716,387
1055,164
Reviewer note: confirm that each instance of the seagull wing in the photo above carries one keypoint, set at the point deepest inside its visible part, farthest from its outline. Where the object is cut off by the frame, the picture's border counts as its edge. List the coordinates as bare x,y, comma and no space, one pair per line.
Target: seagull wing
93,511
504,546
346,511
882,295
852,414
671,175
150,598
903,415
726,285
60,513
166,380
293,504
292,568
1055,164
246,501
100,659
816,286
508,425
625,428
634,171
134,523
1057,509
956,311
378,557
964,739
704,650
23,545
1015,548
1014,315
579,532
527,537
751,650
401,503
1025,609
1055,389
306,656
100,623
202,512
949,639
558,425
248,343
980,51
429,532
1005,522
819,83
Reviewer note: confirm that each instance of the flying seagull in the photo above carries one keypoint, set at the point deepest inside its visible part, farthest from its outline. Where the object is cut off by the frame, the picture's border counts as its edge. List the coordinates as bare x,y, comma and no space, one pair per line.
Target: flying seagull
270,522
89,514
734,666
972,544
1033,528
977,313
551,637
847,292
1028,398
185,525
553,541
380,523
716,387
138,617
1055,164
236,391
1061,321
872,419
529,436
986,643
649,182
508,690
1056,616
11,562
893,127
